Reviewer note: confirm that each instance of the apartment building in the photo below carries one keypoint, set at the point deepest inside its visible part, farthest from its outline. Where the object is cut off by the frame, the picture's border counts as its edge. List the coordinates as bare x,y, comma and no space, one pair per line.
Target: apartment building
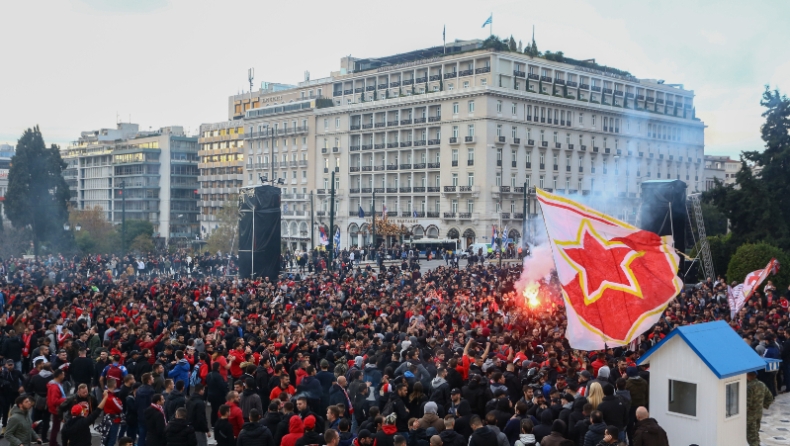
221,160
452,140
156,171
7,152
722,168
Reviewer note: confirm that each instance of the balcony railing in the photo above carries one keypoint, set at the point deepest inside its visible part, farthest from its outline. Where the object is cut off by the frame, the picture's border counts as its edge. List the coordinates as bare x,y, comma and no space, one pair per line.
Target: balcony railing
405,144
419,120
455,163
450,188
392,123
544,143
530,142
607,91
405,121
391,145
367,190
370,88
571,84
392,167
465,72
545,78
337,93
405,166
353,169
418,166
433,165
378,168
392,190
542,166
516,140
559,81
421,80
353,148
583,148
367,126
367,146
378,190
432,214
504,189
335,149
433,189
465,188
501,139
595,149
435,77
465,215
450,75
394,84
528,165
419,142
404,190
348,91
584,86
382,86
434,142
557,145
482,70
453,139
408,82
533,76
380,124
470,162
419,189
469,138
353,191
519,73
380,145
595,88
449,215
434,118
355,127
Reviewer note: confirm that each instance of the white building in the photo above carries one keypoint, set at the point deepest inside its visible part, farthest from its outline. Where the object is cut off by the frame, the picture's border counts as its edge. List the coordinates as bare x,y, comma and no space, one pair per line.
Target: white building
7,152
721,168
698,384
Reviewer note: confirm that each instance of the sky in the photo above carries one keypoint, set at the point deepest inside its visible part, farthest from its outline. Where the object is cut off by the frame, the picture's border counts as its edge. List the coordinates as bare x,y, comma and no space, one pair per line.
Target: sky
75,65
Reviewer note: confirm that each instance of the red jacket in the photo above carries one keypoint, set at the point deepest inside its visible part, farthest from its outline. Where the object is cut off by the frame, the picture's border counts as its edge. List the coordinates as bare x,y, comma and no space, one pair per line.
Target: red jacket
54,397
235,418
150,346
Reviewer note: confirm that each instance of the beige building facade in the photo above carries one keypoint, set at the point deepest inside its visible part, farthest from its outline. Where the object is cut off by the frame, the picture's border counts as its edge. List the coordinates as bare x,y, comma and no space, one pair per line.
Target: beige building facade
721,168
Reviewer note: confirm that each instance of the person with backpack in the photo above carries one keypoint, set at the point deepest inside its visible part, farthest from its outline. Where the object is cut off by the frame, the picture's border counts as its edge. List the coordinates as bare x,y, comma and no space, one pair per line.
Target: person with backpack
76,431
114,371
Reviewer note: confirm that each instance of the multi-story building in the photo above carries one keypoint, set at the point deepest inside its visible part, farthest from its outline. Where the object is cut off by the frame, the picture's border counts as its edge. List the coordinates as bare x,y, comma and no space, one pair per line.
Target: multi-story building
156,172
6,153
451,141
221,169
721,168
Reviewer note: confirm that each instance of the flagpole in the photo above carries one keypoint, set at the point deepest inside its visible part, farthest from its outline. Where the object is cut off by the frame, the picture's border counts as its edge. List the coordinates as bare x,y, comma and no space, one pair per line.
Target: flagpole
491,25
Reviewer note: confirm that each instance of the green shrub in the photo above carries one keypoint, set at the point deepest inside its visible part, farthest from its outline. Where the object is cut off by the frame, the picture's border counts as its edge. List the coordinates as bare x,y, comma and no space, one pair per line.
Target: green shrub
751,257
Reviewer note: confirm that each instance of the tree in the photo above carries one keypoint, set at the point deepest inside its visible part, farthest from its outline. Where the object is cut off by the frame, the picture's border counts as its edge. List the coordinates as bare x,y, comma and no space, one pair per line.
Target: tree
715,221
96,234
386,228
751,257
225,237
135,228
37,192
511,44
143,243
758,205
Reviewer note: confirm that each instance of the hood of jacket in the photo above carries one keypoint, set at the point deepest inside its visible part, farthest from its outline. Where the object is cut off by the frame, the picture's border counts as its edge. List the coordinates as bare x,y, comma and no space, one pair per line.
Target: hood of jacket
389,429
16,410
253,430
578,404
546,418
295,425
437,382
598,428
45,373
448,435
527,438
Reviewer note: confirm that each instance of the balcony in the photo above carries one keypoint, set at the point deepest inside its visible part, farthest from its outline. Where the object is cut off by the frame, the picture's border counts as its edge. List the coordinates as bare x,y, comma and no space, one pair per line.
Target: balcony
572,84
394,84
434,118
378,168
559,81
421,80
392,145
469,139
419,142
607,91
482,70
382,86
392,167
337,93
533,76
659,101
353,191
504,189
455,163
320,192
465,72
542,166
570,146
367,190
583,148
501,139
380,145
498,163
465,215
353,169
404,190
629,95
433,189
367,126
584,87
545,78
450,188
408,82
419,189
581,169
470,162
450,75
516,141
434,142
348,91
449,215
505,215
370,88
528,165
650,99
405,121
335,149
405,166
531,142
355,127
556,167
380,125
519,73
418,166
392,190
358,90
557,145
595,88
618,93
392,123
607,150
435,77
378,190
324,150
367,146
419,120
326,170
453,140
544,143
513,164
595,149
433,165
405,144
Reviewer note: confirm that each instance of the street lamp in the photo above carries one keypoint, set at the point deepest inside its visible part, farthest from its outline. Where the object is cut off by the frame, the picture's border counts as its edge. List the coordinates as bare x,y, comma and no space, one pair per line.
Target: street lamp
78,227
66,227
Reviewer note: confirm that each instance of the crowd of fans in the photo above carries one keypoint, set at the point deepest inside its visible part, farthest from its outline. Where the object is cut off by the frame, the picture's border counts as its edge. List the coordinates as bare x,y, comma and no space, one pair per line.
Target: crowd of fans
358,355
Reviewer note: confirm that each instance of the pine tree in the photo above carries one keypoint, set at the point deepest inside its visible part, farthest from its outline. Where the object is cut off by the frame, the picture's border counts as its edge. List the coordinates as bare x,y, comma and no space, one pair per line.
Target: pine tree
37,192
511,44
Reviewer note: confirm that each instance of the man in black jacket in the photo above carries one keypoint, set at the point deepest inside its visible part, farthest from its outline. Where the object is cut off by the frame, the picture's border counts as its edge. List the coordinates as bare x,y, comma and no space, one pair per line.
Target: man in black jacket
482,435
11,381
82,368
154,419
254,433
196,414
77,431
613,410
272,418
310,435
399,408
179,432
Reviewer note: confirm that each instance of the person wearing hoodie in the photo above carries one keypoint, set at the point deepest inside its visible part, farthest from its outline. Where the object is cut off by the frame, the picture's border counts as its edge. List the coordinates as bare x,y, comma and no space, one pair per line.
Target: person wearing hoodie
417,435
250,399
180,370
175,399
577,412
253,433
371,374
384,436
513,427
346,436
310,387
55,397
449,436
295,432
556,437
223,430
76,431
526,437
544,428
639,390
178,431
430,417
19,430
440,388
502,412
596,431
272,417
602,379
196,414
310,436
500,437
614,411
481,435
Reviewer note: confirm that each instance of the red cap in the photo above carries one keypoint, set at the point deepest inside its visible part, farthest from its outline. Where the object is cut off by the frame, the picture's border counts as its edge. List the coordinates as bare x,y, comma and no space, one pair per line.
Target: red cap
309,422
76,410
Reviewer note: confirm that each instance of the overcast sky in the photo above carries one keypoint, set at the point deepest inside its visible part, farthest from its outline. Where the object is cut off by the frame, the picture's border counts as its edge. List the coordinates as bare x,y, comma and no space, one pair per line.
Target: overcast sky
73,65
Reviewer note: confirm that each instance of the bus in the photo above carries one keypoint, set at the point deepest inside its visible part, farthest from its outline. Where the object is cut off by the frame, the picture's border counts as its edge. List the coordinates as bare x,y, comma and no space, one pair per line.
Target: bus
435,245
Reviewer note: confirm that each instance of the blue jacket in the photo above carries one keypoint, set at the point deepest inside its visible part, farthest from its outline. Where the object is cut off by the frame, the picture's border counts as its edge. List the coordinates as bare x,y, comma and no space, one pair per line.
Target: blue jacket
180,372
143,400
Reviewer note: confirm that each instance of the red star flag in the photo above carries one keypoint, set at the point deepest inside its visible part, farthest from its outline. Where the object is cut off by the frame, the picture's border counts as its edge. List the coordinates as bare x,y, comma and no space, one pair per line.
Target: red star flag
738,296
616,279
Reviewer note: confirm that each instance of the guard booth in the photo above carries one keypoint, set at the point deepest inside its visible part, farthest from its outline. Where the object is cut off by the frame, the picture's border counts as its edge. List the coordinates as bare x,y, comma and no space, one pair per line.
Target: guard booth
698,384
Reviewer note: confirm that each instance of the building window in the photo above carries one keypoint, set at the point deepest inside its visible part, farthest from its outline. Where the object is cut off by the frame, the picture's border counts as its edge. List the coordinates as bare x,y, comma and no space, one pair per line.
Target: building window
682,398
470,206
455,179
470,179
483,81
499,106
470,154
470,130
733,399
542,180
455,155
498,180
471,106
581,118
513,108
466,84
499,130
450,87
455,108
526,180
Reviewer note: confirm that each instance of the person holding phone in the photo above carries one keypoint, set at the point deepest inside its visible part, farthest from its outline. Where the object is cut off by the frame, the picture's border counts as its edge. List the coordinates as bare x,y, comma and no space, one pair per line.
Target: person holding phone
19,430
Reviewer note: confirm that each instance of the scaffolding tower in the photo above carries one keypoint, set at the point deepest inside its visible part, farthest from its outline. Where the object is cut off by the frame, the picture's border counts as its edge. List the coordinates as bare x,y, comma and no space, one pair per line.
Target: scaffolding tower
703,249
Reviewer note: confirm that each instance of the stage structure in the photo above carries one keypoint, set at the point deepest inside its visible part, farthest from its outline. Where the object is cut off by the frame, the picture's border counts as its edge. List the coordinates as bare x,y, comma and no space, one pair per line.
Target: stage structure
663,212
259,232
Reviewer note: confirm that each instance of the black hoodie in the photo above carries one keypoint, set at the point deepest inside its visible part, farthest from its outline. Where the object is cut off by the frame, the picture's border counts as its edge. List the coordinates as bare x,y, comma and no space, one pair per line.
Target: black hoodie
309,437
483,436
544,428
452,438
255,434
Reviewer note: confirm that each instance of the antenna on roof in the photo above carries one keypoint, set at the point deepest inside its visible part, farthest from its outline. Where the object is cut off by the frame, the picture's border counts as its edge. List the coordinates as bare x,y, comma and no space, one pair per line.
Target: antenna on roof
251,76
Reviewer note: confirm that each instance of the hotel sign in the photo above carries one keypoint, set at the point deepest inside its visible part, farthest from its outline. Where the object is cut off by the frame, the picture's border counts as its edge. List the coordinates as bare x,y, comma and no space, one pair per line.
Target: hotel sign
271,99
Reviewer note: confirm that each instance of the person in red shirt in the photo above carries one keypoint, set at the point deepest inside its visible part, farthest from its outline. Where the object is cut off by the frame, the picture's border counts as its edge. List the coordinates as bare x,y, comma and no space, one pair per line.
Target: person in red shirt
285,386
113,407
55,397
236,418
599,362
150,344
223,363
236,357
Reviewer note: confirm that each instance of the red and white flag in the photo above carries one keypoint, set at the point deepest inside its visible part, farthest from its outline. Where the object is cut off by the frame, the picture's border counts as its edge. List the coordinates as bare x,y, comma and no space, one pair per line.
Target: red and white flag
616,279
741,293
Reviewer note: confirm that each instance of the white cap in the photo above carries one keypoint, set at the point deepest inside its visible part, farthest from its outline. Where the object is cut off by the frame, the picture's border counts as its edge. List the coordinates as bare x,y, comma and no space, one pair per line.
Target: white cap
44,358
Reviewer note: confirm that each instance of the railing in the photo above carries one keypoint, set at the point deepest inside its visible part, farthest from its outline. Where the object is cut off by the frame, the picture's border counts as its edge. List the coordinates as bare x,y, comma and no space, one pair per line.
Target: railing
482,70
469,138
506,215
545,78
337,93
544,143
465,189
335,149
450,75
450,188
358,90
405,166
392,167
353,148
380,124
559,81
421,80
513,164
418,166
607,150
370,88
504,189
434,118
382,86
419,189
324,150
367,126
321,191
367,190
584,86
465,72
618,93
433,165
530,142
419,120
542,166
392,190
404,190
434,142
449,215
378,190
391,123
367,146
378,168
570,146
348,91
529,165
419,142
583,148
516,140
465,215
595,88
408,82
405,144
501,139
353,169
571,84
394,84
355,127
556,167
433,189
607,91
595,149
392,145
405,121
435,77
650,99
367,168
380,145
470,162
533,76
519,73
353,191
455,163
453,139
558,145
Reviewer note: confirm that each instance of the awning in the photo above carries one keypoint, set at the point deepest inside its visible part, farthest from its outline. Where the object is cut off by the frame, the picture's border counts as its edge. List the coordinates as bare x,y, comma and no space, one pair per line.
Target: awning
772,365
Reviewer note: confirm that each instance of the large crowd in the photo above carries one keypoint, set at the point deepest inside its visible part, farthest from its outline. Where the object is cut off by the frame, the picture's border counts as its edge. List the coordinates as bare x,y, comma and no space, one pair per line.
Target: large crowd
170,349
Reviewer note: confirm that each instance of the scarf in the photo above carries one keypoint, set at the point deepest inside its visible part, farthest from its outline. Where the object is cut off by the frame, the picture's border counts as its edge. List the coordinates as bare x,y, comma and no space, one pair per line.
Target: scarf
348,401
159,408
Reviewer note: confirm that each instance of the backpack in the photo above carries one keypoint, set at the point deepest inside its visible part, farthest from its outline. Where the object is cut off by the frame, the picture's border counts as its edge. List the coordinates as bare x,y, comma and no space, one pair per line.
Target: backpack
194,377
115,373
388,408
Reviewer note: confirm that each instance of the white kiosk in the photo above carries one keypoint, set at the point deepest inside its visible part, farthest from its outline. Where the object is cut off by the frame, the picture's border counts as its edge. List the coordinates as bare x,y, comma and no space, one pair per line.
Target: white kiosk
698,384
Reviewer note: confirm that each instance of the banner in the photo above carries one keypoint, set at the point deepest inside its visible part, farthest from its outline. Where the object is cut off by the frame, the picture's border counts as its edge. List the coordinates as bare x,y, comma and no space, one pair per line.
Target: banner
740,294
324,238
616,279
